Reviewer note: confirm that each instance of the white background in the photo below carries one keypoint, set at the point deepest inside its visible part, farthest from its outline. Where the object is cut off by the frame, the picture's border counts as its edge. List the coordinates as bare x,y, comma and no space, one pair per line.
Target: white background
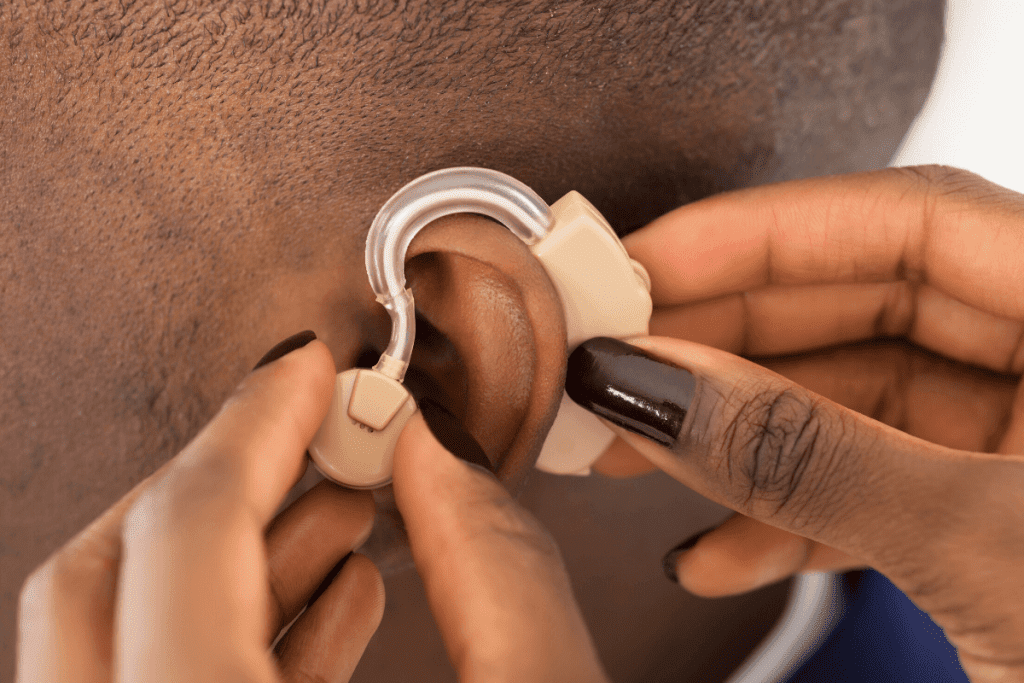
974,117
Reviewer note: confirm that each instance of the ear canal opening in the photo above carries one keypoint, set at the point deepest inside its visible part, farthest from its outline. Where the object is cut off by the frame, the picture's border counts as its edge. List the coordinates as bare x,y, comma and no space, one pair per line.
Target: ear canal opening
443,414
437,367
367,357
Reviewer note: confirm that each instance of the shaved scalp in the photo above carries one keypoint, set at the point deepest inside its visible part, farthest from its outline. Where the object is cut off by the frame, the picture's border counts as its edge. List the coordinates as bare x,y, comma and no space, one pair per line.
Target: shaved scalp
183,183
325,81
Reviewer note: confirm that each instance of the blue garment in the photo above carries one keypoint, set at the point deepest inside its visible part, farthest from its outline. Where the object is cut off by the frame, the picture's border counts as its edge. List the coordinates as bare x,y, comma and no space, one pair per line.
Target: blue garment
881,637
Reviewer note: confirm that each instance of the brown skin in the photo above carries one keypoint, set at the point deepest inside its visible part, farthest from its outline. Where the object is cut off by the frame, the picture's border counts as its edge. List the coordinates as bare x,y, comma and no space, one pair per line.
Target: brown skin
180,190
863,277
469,293
205,579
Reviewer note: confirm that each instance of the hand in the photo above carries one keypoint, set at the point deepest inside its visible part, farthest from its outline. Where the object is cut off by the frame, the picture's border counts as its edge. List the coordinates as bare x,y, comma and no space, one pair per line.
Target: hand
494,577
893,439
188,579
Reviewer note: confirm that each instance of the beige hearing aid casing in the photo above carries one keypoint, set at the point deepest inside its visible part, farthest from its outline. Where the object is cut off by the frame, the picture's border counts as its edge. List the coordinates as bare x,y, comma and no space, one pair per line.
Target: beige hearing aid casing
355,444
603,293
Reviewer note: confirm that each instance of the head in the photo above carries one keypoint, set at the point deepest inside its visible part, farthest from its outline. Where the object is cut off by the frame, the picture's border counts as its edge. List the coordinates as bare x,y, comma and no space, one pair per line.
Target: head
183,185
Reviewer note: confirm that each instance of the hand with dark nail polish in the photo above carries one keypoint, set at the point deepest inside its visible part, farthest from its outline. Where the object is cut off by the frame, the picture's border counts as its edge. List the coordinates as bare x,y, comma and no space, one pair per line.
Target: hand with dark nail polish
207,573
804,444
203,529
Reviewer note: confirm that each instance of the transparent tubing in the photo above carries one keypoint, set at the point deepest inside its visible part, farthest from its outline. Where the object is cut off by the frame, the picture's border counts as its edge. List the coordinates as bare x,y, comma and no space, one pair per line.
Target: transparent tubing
814,607
412,208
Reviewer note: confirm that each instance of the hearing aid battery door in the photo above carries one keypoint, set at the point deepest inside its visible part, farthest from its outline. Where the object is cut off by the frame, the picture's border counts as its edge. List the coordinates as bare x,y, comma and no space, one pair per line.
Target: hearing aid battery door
604,294
355,445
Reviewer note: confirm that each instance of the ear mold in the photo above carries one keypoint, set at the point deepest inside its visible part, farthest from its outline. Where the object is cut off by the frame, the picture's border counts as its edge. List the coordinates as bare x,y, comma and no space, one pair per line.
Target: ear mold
603,293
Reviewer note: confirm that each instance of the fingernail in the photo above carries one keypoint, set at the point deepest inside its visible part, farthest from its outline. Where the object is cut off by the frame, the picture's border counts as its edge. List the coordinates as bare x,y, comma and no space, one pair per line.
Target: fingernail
296,341
630,388
452,436
668,563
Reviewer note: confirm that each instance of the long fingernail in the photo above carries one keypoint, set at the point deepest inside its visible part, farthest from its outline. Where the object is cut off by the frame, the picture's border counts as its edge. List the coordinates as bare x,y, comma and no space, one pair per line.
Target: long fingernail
630,388
457,441
671,559
292,343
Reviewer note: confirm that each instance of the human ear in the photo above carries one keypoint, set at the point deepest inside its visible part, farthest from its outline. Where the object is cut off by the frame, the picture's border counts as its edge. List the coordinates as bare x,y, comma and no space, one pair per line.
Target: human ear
491,337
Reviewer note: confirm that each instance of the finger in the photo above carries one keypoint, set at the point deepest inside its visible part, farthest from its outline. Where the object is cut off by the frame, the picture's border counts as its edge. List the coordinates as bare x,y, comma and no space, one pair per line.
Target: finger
756,442
744,554
493,576
915,391
194,556
895,383
777,320
327,641
944,228
620,460
66,607
309,539
1013,438
67,604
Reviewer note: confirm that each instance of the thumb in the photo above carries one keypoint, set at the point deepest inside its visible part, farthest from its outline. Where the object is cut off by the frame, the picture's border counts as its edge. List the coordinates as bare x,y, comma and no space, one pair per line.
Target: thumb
764,446
493,576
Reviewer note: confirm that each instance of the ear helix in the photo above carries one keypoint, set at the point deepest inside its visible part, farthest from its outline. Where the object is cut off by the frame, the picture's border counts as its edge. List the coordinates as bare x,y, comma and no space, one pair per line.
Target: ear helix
603,293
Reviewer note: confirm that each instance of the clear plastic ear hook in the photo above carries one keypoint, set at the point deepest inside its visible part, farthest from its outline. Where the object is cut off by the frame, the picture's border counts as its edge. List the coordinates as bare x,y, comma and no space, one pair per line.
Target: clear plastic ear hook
412,208
602,292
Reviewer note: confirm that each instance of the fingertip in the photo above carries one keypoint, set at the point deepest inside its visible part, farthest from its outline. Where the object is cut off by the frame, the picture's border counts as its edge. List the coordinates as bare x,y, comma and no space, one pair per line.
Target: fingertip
312,369
417,477
303,377
421,457
328,640
715,569
342,508
368,582
366,513
416,444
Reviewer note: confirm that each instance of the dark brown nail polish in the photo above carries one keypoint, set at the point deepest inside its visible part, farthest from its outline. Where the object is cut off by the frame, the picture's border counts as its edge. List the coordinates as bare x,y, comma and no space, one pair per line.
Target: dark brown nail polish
668,563
630,388
296,341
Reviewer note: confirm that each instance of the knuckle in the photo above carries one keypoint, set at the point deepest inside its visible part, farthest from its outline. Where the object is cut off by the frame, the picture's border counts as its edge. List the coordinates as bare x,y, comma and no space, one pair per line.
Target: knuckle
60,574
37,586
952,184
189,491
778,452
940,175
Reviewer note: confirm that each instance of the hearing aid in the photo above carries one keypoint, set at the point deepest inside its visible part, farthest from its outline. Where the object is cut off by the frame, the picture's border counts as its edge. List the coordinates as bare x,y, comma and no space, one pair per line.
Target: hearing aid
603,293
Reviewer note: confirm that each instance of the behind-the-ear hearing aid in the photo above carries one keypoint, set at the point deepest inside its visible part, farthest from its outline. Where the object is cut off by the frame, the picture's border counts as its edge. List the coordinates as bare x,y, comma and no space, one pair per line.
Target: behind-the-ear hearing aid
603,293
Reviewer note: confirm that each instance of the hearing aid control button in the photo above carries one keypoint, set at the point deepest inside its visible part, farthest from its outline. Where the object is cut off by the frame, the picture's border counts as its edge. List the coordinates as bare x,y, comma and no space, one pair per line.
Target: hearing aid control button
375,399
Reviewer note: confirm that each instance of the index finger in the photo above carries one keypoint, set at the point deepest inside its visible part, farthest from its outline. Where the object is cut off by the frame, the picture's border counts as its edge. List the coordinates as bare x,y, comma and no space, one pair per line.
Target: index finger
193,598
945,227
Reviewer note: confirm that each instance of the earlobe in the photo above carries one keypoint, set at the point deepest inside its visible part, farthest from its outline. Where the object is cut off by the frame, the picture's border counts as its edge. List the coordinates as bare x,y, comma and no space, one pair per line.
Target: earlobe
494,342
